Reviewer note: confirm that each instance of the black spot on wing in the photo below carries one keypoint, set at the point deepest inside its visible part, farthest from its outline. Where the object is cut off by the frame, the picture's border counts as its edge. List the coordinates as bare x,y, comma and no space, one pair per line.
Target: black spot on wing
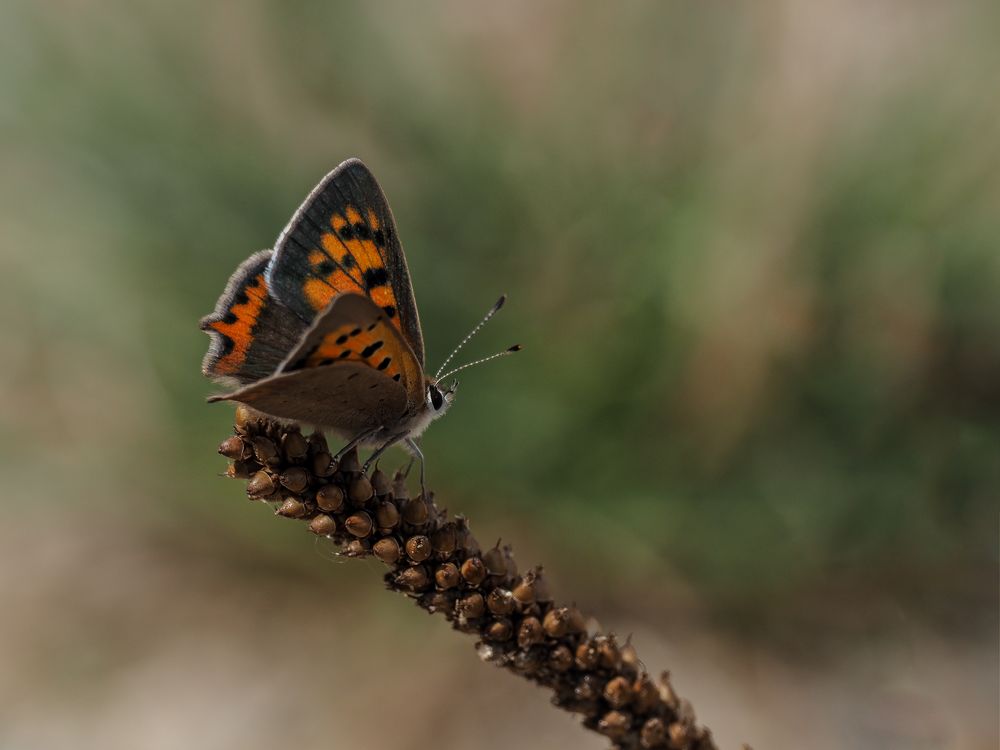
384,363
341,339
371,349
390,311
374,277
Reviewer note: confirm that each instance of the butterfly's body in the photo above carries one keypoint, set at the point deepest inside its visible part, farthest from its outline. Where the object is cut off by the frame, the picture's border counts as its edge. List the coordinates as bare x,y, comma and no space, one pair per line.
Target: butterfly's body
324,329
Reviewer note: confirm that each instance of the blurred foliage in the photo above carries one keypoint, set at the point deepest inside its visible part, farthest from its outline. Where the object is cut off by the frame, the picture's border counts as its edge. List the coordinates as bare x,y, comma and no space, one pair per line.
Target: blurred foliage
752,252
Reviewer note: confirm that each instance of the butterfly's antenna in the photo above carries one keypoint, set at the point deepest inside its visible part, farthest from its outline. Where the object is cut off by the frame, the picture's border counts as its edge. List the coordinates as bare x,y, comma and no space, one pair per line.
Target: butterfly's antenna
504,353
493,311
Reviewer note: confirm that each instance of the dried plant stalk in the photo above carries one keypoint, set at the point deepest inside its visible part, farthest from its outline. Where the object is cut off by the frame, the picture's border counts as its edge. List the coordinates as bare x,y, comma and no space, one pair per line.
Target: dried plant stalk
435,560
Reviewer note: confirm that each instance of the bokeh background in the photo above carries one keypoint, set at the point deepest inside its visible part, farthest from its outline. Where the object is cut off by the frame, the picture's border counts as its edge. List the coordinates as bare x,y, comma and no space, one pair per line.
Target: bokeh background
753,252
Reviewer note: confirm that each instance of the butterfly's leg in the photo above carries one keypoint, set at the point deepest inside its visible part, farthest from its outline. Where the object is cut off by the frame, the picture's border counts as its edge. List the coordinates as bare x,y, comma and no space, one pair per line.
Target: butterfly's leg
354,443
415,449
382,449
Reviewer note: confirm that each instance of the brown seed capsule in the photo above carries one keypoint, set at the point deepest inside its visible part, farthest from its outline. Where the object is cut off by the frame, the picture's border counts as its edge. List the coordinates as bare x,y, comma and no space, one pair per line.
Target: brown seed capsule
494,560
575,620
501,602
359,524
242,469
645,696
499,630
653,734
667,694
587,689
607,649
322,525
561,659
399,489
261,485
415,512
524,591
678,734
618,692
349,461
474,571
444,539
414,578
386,515
472,606
387,550
529,660
356,548
243,416
508,558
360,491
323,465
418,548
614,724
295,479
291,508
317,443
587,656
529,632
447,576
556,622
381,483
439,601
294,446
541,587
330,498
233,448
265,450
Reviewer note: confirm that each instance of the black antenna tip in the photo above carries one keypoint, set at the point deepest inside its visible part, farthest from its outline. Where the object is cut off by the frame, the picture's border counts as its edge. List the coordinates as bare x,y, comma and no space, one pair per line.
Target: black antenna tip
515,348
499,303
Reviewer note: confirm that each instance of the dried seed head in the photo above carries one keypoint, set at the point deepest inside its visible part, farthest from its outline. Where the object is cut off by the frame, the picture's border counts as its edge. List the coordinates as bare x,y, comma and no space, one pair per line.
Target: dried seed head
508,558
242,469
529,632
381,483
294,446
360,491
614,724
447,576
607,649
349,461
415,512
386,515
501,602
359,524
587,656
295,479
291,508
618,692
541,586
474,571
414,578
265,450
556,622
387,550
495,563
529,660
356,548
630,657
323,465
561,659
464,538
678,734
524,591
439,601
323,525
418,548
471,606
399,489
234,448
444,539
645,696
499,630
667,694
587,689
653,734
330,498
261,485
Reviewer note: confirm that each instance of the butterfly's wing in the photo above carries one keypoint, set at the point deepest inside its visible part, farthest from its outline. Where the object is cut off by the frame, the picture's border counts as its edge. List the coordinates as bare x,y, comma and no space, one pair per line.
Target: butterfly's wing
343,239
251,331
351,371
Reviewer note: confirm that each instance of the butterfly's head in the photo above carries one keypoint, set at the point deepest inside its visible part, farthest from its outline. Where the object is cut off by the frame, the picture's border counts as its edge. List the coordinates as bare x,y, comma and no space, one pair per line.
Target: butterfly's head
439,398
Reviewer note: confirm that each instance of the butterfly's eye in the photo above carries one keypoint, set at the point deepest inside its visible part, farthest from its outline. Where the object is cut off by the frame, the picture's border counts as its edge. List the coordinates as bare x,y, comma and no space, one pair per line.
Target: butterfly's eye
435,397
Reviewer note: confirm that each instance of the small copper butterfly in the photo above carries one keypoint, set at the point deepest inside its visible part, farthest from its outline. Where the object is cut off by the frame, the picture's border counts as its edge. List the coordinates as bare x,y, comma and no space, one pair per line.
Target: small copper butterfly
323,329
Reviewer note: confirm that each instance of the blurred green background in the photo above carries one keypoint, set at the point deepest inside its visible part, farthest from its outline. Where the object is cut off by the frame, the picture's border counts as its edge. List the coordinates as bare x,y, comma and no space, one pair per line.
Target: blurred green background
752,252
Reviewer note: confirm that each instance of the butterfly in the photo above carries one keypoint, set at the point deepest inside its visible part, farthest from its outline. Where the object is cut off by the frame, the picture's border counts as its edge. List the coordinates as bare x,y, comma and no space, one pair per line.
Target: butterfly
323,329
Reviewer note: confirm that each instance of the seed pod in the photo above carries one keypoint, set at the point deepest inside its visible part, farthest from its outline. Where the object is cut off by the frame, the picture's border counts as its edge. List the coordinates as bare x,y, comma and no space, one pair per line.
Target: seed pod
530,632
265,450
587,689
414,578
501,602
666,690
645,696
360,491
359,524
380,483
494,560
330,498
291,508
524,591
356,548
678,734
618,692
614,724
242,469
541,586
349,461
399,489
508,558
386,515
464,538
471,606
317,443
474,571
295,479
499,630
322,525
294,446
653,734
444,539
415,512
575,620
243,416
561,659
234,448
528,661
323,465
556,622
387,550
261,485
447,576
587,656
607,649
630,657
418,548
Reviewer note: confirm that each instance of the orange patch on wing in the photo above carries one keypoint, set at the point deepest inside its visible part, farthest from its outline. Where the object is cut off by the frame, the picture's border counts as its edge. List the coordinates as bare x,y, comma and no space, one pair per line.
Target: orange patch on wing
240,331
377,348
